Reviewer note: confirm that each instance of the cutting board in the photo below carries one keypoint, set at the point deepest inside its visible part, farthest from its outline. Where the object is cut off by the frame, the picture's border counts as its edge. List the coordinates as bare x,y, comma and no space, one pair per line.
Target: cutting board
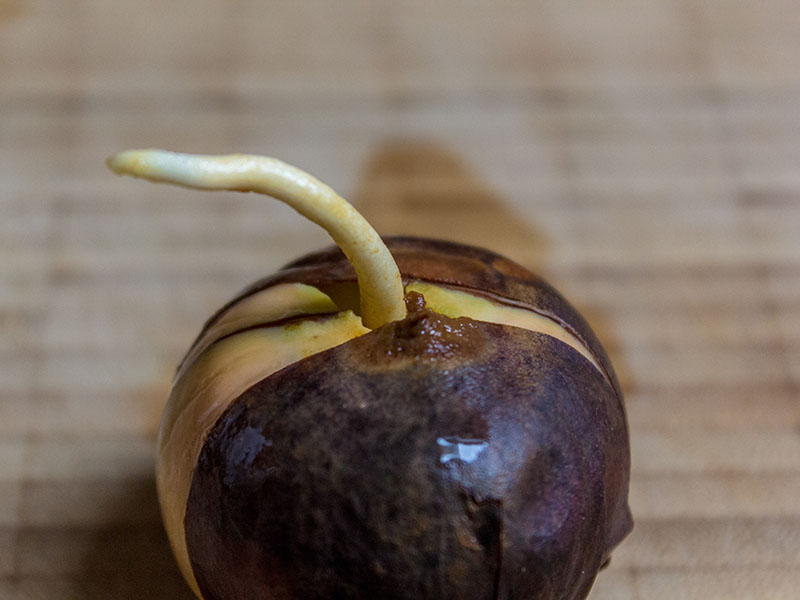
642,156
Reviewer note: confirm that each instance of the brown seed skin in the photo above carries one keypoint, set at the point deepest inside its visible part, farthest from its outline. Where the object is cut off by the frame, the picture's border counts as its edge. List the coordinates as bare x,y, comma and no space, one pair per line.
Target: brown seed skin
339,476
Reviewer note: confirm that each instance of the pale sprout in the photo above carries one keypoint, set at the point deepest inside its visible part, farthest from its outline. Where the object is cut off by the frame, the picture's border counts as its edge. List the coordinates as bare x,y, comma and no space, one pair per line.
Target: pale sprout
380,286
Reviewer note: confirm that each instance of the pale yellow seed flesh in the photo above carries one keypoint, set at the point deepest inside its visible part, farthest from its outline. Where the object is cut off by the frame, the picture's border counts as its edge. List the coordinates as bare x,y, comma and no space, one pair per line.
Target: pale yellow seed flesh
380,286
455,303
278,302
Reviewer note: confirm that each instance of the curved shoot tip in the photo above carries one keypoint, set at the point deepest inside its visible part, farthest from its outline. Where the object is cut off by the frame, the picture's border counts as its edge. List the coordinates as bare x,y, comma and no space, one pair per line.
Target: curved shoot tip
189,170
379,282
124,163
148,164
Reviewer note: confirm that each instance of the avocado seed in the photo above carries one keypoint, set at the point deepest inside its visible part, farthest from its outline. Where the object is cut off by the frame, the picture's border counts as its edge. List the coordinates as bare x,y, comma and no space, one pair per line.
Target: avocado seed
398,419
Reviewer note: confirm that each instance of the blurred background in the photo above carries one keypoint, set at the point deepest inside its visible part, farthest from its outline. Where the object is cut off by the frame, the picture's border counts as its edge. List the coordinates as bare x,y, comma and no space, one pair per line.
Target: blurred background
643,156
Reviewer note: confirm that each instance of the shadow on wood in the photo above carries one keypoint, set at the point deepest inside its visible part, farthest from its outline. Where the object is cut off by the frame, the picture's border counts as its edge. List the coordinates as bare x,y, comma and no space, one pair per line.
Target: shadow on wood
130,558
419,187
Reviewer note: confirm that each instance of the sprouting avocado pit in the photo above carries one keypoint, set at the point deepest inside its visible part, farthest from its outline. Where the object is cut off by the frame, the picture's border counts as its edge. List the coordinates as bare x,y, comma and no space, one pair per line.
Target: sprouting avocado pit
491,387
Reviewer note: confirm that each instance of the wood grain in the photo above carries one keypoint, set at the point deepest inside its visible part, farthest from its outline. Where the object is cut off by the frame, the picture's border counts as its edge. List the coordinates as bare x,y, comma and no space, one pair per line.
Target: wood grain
644,156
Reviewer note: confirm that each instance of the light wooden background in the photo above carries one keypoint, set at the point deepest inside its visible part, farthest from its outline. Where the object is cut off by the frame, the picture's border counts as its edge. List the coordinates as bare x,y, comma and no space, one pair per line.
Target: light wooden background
644,156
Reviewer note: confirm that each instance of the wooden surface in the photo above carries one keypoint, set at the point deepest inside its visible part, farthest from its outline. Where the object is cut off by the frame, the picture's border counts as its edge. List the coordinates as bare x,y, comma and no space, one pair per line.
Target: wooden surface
644,156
